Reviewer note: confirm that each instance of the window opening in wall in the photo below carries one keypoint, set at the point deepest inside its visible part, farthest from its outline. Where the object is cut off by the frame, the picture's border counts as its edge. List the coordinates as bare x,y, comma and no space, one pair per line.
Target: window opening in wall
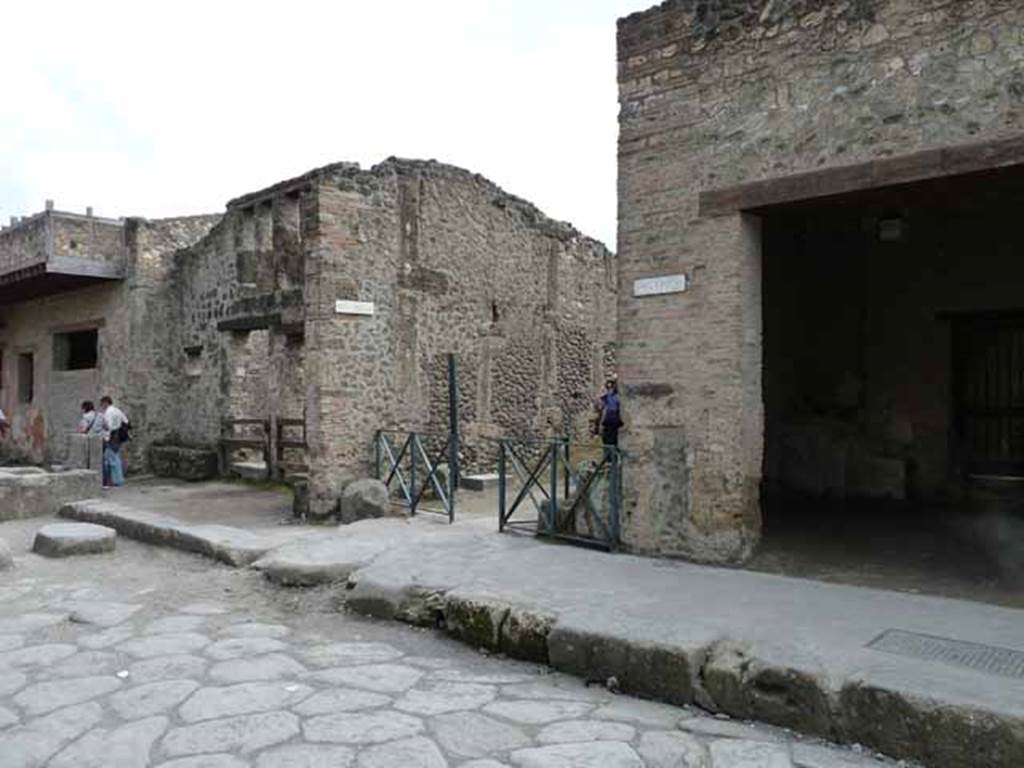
26,377
76,351
494,312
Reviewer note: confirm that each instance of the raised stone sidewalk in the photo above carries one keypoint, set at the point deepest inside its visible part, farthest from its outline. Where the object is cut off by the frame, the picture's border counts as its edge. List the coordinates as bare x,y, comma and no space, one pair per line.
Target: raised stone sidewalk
937,680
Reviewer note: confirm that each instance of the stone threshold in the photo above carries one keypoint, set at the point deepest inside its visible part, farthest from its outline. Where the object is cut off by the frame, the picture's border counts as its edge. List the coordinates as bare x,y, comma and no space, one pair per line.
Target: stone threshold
787,652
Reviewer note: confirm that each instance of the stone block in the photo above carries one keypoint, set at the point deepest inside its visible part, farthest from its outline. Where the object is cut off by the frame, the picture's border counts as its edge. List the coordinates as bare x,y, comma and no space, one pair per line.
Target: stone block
33,492
479,482
364,500
85,451
66,539
751,689
183,463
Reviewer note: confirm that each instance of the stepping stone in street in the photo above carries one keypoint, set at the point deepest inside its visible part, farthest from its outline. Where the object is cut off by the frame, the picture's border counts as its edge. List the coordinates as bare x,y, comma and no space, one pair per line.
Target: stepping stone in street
66,539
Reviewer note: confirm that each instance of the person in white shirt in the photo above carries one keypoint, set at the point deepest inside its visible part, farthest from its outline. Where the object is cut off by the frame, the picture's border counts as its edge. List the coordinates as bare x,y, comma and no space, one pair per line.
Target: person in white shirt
4,426
114,436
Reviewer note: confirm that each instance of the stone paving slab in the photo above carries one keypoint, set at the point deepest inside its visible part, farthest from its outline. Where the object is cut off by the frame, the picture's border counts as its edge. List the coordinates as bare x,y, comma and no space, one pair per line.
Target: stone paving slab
785,651
69,539
234,546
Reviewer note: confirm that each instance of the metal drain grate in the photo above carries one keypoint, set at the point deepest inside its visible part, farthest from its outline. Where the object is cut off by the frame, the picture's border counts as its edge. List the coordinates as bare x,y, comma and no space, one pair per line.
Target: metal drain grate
988,659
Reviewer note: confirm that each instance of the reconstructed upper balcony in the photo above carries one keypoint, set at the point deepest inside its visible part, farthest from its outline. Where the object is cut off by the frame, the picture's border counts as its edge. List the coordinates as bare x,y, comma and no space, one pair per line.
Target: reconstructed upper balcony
55,251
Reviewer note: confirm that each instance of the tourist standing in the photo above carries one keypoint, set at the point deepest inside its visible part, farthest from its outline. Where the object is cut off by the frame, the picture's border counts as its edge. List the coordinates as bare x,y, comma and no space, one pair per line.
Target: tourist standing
4,426
610,417
115,434
91,423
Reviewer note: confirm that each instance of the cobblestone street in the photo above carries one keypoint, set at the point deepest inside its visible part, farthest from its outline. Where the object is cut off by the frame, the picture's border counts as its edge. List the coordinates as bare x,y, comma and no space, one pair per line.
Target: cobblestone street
154,658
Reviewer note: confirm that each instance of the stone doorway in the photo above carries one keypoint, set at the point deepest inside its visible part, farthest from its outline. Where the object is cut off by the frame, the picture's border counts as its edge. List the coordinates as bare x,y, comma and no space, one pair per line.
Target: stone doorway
892,370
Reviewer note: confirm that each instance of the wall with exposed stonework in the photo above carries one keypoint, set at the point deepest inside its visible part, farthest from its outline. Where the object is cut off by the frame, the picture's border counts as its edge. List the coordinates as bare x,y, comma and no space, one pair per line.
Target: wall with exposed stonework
137,364
720,93
453,265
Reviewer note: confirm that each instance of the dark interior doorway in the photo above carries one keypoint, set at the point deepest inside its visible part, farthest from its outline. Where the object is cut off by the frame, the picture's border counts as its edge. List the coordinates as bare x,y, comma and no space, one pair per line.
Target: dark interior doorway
893,374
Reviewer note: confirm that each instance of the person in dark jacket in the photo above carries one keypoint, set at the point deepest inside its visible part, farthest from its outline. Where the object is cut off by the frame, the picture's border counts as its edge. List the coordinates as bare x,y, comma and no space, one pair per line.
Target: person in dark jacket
610,418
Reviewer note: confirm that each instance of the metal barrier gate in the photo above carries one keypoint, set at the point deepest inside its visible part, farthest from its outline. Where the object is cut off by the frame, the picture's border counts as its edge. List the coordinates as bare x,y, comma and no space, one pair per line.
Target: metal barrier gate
580,504
410,465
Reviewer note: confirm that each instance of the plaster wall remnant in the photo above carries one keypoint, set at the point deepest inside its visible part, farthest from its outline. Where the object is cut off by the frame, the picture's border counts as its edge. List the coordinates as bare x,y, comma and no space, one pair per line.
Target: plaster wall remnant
715,96
234,316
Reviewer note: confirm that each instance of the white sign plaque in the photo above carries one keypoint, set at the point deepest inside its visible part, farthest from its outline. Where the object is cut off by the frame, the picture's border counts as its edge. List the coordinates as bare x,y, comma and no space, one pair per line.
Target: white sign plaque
657,286
343,307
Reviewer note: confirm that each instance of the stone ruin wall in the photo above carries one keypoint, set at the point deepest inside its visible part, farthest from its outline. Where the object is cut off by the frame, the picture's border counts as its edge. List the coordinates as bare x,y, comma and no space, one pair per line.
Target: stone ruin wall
136,364
237,361
453,264
720,93
24,242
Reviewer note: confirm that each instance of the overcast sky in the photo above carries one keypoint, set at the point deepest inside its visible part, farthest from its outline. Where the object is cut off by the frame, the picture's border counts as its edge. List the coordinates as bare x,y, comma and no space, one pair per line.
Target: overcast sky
172,108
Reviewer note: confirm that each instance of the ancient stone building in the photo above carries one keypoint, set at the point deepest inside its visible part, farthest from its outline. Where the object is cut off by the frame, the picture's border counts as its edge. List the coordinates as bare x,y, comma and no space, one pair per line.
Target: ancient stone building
836,184
334,297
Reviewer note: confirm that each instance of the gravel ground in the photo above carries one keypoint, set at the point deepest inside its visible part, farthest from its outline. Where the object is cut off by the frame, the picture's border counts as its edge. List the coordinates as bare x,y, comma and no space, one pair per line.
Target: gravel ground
151,657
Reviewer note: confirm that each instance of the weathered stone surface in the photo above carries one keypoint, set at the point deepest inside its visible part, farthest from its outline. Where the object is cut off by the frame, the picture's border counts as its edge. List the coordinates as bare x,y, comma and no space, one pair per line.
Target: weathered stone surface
11,681
470,734
731,729
55,694
7,718
10,642
647,713
256,629
235,546
164,645
340,700
67,539
32,492
83,664
361,728
273,666
418,752
6,556
364,500
126,746
28,622
749,754
382,678
307,756
442,697
32,744
102,614
150,699
242,699
205,608
813,756
538,712
174,625
750,689
585,730
174,667
598,754
673,749
340,654
206,761
244,734
106,638
222,650
183,463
